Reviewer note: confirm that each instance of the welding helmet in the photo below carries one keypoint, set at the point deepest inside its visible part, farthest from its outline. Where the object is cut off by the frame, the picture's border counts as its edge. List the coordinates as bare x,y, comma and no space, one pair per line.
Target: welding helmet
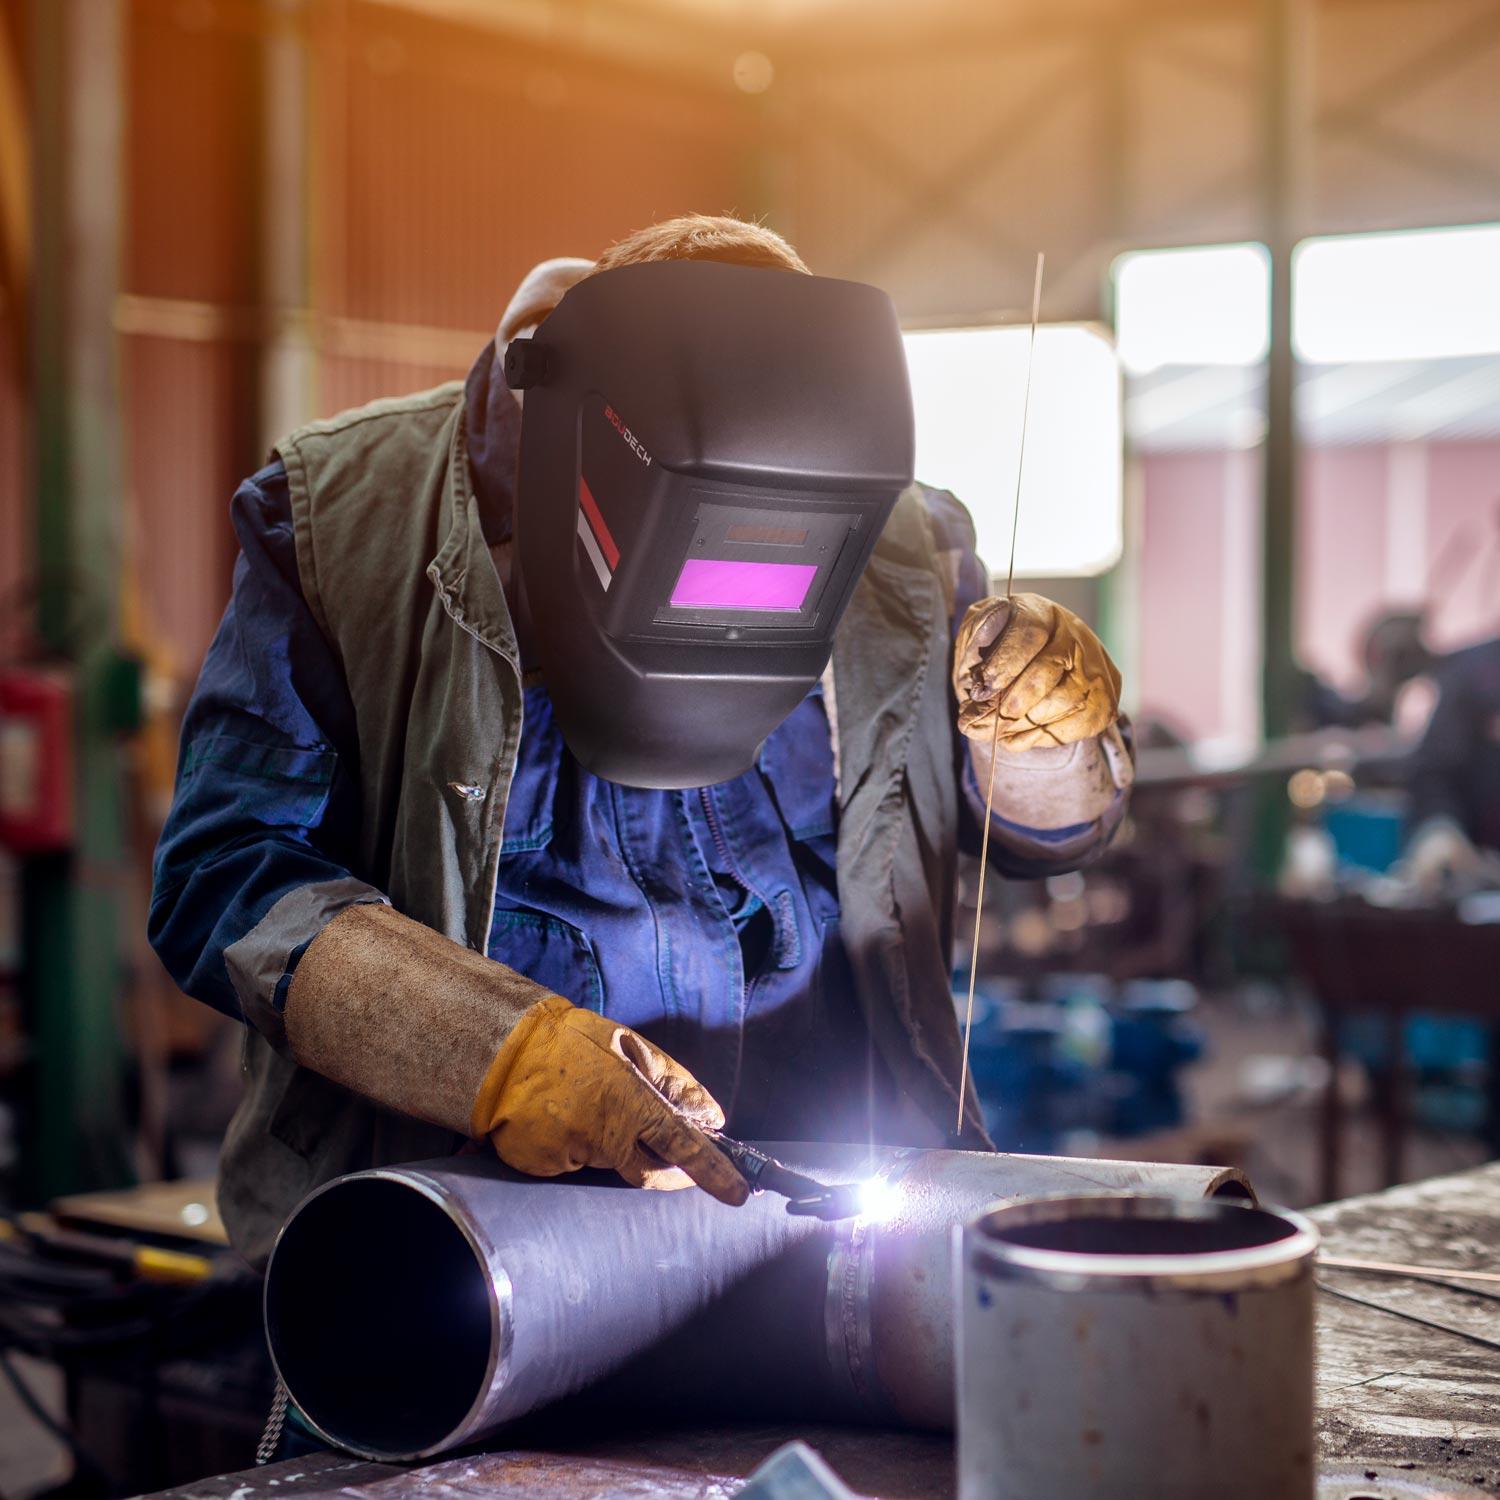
708,455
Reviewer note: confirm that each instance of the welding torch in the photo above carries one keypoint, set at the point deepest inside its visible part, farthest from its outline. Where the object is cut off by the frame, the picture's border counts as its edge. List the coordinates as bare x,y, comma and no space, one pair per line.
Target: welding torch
804,1195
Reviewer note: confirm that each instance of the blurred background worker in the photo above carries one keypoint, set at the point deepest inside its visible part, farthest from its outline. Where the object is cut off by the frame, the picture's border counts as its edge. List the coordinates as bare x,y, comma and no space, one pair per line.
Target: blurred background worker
1392,653
652,958
1455,776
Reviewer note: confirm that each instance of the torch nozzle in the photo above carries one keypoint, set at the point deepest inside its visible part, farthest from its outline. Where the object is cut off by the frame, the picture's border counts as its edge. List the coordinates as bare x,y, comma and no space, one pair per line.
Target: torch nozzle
805,1195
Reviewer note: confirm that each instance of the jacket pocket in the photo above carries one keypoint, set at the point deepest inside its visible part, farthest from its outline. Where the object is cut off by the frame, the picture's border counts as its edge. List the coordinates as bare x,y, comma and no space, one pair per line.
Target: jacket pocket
230,789
277,785
550,952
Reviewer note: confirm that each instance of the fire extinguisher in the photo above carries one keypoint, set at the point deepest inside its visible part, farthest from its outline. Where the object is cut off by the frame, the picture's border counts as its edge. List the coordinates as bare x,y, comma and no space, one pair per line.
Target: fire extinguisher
36,759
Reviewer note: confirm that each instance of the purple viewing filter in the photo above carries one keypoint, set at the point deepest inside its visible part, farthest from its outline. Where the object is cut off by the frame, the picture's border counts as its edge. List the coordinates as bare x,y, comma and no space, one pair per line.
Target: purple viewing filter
713,583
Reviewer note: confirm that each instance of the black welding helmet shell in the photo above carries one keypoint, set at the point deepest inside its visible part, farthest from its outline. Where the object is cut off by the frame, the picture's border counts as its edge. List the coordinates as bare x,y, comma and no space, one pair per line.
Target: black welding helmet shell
708,455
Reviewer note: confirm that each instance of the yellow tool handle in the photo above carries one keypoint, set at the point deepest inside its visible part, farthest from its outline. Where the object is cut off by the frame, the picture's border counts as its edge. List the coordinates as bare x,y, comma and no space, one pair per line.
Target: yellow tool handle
171,1267
149,1262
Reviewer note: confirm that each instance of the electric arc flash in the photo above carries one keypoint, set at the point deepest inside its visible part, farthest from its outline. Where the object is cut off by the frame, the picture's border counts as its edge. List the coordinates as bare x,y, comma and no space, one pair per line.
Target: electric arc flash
877,1199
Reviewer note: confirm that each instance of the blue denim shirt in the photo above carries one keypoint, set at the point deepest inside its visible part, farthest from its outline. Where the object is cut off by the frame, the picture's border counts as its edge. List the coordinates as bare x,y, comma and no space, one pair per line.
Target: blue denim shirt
707,919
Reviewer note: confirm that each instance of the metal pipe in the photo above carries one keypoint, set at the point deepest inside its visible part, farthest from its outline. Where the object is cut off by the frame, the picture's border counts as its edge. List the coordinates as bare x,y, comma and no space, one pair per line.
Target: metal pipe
413,1309
1136,1349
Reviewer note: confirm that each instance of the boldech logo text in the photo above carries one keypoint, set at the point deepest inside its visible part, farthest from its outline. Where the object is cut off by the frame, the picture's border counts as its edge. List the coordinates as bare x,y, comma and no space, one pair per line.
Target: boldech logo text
632,441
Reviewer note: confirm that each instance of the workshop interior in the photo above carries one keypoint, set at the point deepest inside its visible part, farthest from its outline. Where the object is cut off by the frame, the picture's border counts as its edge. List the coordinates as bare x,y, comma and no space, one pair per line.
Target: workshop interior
750,747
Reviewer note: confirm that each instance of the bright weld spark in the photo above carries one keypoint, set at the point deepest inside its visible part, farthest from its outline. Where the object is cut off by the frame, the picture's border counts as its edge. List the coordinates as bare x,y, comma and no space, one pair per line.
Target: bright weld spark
878,1200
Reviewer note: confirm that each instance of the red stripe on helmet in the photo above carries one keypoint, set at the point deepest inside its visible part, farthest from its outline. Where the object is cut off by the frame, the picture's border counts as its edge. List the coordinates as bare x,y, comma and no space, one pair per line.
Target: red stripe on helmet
596,520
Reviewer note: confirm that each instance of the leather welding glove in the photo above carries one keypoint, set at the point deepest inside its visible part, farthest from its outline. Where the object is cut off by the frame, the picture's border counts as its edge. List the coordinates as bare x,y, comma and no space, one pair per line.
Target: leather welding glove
1039,668
397,1012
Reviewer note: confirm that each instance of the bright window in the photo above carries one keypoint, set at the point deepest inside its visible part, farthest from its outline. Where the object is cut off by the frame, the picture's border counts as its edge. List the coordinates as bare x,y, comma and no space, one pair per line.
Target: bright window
1200,305
1416,294
968,386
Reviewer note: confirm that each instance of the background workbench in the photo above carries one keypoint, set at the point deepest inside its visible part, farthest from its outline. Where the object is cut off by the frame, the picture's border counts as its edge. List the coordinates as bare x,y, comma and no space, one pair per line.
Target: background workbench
1361,960
1403,1409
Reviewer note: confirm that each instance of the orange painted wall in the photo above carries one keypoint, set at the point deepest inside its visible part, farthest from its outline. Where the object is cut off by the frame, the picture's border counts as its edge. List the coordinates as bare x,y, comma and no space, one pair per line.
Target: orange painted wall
445,160
15,528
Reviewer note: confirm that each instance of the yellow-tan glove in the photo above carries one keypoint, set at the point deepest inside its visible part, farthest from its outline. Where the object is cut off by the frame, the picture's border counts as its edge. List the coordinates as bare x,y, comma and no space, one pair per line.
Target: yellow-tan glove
570,1089
397,1012
1036,665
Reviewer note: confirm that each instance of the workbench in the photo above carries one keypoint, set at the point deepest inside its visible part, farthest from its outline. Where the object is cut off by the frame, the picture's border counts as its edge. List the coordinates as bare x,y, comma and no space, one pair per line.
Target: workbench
1364,960
1405,1410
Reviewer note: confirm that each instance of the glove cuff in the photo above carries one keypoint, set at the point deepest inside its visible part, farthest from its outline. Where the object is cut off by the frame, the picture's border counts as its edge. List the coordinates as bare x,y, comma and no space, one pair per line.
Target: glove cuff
393,1010
543,1018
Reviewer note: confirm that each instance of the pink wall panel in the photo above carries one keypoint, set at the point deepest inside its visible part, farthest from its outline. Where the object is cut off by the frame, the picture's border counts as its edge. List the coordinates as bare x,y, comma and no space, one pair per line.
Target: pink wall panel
1181,627
1377,524
1341,556
1463,517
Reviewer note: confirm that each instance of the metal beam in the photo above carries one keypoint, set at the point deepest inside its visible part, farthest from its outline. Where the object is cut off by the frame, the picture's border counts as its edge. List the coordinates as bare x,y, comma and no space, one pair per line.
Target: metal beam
864,145
1463,171
1355,118
1455,50
941,192
834,45
72,967
1227,73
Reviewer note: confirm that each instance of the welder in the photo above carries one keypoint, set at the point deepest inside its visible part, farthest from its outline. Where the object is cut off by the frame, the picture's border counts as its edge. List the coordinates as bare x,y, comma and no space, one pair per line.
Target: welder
583,758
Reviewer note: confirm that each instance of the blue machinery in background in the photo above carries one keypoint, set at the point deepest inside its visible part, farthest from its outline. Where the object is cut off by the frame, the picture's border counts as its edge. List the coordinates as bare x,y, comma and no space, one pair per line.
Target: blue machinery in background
1079,1057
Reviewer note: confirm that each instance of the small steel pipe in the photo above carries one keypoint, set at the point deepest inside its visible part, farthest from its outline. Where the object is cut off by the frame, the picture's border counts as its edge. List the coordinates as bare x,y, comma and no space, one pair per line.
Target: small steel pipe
418,1308
1136,1349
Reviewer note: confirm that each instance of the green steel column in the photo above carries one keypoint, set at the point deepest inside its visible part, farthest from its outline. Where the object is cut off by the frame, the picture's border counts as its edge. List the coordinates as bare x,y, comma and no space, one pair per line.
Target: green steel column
71,933
1118,609
1287,43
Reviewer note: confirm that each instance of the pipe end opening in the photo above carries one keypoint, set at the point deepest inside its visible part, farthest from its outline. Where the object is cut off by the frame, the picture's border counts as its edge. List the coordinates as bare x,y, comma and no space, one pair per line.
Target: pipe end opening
379,1316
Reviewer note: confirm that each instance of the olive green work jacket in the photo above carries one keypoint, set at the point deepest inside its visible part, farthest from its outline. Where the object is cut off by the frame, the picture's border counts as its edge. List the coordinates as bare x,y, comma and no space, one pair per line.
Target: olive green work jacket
394,564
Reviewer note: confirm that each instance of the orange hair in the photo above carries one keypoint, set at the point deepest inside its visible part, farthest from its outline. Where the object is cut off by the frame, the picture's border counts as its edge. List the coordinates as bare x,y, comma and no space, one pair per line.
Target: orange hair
691,237
704,237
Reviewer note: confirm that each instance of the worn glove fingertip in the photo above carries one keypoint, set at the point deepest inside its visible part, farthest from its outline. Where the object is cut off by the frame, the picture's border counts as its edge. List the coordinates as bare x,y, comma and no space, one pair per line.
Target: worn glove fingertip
731,1189
715,1174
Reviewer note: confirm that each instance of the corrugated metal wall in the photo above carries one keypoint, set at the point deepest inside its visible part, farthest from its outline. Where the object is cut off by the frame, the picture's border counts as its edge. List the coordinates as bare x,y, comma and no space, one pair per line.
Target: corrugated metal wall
449,161
15,529
190,283
444,161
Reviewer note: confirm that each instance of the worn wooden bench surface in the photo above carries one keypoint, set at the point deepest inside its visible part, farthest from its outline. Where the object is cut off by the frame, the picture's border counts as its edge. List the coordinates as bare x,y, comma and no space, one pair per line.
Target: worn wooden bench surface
1405,1410
1393,1391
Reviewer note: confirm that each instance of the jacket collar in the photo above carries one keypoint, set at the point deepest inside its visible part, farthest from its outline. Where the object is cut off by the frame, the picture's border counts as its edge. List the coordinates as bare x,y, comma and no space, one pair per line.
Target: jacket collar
477,506
883,648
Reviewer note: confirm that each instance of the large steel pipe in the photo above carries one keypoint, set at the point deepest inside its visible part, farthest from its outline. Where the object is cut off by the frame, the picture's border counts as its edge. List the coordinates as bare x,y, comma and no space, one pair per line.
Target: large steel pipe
414,1309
